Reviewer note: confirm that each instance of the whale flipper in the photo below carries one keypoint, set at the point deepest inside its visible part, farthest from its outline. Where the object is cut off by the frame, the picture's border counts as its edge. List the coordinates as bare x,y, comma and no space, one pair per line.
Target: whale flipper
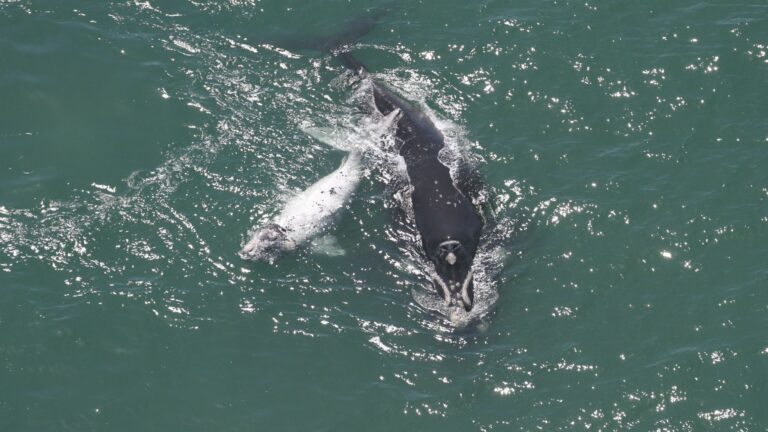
327,245
332,137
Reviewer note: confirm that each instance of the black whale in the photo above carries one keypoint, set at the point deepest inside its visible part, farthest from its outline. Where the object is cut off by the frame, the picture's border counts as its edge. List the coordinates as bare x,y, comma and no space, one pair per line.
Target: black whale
448,222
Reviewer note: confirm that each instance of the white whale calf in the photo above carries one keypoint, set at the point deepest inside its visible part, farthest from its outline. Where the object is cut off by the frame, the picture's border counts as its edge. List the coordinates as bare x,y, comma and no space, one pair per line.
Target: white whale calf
312,211
307,214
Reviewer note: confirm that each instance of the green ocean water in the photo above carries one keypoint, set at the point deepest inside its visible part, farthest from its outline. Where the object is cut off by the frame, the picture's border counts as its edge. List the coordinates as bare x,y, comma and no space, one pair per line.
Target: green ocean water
623,147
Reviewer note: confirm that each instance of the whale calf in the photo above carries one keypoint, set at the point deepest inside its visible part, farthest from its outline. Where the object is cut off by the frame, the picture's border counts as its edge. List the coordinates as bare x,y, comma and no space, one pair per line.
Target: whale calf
448,222
307,214
310,212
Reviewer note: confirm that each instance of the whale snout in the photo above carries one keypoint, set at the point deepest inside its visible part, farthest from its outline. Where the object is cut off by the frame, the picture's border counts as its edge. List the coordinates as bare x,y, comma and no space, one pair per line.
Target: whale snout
456,291
453,277
267,243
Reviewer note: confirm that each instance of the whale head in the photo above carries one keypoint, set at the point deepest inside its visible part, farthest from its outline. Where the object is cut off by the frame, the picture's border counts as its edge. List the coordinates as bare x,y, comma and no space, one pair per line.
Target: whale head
266,243
453,275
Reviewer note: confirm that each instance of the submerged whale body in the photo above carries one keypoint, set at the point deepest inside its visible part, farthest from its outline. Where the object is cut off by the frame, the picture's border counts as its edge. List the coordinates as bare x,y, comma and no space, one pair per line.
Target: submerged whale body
449,224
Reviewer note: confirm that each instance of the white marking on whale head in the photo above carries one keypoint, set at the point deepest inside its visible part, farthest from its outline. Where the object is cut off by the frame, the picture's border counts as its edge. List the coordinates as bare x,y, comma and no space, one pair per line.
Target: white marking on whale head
453,274
444,290
465,288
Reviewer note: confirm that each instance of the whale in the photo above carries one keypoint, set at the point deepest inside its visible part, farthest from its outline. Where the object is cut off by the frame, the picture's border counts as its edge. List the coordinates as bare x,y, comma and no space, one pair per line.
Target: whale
307,214
311,212
449,224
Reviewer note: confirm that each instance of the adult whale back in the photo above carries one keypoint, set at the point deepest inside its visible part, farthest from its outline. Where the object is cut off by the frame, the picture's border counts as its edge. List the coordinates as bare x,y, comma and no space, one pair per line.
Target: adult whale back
448,223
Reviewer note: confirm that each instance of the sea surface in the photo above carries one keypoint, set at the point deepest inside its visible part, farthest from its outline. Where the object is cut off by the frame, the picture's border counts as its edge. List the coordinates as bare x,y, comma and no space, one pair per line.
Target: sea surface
624,266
